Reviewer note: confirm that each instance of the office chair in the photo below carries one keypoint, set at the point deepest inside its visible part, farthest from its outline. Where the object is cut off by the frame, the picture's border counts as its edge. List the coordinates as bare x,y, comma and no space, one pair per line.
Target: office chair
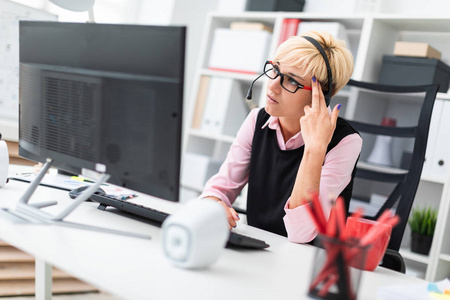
403,182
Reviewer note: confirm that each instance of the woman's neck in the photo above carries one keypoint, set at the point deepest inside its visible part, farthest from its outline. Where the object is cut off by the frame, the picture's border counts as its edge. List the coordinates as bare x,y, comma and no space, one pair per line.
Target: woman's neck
289,127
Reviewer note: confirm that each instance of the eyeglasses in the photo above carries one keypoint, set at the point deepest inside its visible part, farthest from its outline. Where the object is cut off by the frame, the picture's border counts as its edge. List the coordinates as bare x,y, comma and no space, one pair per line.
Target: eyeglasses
290,84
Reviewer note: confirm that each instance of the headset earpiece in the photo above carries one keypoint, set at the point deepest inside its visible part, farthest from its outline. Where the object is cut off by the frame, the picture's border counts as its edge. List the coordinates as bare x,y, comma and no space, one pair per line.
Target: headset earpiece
327,63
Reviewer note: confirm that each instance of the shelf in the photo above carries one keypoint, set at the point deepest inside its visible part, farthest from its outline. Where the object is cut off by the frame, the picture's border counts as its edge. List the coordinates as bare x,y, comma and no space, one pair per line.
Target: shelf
234,75
408,254
432,179
421,24
217,137
267,16
385,169
370,36
445,257
350,21
443,96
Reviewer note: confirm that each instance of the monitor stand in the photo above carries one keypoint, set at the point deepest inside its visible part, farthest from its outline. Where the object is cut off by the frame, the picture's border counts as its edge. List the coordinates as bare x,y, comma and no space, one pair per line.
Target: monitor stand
33,213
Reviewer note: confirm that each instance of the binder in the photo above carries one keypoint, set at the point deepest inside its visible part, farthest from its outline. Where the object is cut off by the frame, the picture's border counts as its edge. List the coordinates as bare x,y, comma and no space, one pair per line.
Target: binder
441,154
225,107
288,29
432,137
236,111
216,104
197,169
200,103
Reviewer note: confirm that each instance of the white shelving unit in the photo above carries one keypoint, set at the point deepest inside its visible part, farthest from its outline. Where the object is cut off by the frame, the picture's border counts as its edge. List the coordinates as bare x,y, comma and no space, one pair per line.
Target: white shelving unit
370,37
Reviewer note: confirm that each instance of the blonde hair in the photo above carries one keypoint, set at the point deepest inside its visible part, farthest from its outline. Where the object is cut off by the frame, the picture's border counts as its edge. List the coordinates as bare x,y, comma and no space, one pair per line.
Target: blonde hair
299,52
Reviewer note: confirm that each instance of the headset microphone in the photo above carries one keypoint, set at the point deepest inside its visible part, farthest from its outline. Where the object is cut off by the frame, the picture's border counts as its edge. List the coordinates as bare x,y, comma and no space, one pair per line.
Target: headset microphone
249,93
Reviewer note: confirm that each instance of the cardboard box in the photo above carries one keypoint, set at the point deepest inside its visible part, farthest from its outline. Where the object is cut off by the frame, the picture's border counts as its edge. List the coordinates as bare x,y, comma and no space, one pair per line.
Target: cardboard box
407,71
250,26
416,49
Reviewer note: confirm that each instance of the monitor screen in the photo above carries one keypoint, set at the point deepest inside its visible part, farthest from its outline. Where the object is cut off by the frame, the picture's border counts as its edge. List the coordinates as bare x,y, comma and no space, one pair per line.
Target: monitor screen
104,97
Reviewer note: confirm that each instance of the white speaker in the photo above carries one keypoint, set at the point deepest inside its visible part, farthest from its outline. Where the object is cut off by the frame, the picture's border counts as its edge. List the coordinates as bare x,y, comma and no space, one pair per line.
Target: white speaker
4,162
194,236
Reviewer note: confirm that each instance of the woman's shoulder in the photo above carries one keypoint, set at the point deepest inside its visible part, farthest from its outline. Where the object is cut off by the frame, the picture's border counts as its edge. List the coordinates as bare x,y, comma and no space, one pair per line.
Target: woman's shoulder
344,131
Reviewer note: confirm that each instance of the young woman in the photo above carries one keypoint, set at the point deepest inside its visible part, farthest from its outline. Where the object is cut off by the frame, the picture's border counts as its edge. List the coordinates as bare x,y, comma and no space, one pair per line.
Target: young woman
295,145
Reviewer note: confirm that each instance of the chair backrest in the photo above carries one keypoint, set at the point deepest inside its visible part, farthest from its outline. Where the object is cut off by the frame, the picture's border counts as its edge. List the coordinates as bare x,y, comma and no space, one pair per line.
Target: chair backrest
403,181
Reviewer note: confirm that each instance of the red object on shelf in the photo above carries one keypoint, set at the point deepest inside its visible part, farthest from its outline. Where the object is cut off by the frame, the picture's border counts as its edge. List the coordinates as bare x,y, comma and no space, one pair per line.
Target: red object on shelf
388,122
288,29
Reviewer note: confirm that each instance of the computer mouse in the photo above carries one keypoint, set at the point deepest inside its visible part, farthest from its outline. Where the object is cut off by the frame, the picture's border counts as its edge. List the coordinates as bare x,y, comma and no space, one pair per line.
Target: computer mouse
75,192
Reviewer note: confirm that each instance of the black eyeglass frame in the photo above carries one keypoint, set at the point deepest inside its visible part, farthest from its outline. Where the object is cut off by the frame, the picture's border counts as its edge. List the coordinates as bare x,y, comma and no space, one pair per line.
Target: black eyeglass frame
278,73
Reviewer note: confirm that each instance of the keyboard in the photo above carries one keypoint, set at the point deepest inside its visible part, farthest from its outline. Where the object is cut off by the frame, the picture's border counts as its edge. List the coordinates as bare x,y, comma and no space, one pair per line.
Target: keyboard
235,240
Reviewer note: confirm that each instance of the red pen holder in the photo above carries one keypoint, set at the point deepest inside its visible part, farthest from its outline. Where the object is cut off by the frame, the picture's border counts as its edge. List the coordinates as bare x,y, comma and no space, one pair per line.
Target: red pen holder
337,269
358,227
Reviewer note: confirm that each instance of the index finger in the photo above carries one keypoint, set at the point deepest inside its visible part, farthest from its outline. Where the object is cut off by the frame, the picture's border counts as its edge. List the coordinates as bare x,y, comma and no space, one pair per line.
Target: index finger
317,95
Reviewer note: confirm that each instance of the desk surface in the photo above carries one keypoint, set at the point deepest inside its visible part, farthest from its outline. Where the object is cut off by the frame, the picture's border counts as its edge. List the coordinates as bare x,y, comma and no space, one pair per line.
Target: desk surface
135,268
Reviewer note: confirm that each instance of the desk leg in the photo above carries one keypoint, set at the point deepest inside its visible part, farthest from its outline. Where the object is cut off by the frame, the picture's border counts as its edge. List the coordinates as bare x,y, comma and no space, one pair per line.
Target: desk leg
43,281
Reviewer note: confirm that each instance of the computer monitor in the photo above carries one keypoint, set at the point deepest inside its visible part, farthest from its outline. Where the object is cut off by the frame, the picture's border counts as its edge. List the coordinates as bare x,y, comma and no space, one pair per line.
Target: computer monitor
104,97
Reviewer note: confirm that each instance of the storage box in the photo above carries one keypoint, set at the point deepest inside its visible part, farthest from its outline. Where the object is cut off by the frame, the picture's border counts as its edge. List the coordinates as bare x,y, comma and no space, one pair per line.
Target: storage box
242,51
402,70
416,49
275,5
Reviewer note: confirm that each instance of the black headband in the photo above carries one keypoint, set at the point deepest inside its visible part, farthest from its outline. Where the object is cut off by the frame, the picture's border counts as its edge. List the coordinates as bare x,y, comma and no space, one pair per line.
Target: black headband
324,55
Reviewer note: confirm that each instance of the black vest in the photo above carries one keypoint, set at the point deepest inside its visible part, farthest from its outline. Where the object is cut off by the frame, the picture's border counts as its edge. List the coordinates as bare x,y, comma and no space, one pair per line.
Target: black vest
273,173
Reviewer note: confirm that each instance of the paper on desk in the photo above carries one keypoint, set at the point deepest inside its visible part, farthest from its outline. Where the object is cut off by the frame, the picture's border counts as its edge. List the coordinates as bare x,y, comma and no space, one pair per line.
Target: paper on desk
53,180
67,183
419,291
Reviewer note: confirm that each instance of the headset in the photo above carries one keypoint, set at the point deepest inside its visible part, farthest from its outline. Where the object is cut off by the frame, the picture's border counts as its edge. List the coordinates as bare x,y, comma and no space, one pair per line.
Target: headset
327,63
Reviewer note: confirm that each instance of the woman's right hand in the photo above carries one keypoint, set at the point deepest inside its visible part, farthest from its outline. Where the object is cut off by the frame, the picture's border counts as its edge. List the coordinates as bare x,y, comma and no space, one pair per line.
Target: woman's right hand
232,215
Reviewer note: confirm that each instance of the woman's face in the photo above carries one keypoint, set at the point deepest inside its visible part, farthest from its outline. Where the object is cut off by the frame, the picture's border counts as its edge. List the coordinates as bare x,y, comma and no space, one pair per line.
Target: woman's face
280,102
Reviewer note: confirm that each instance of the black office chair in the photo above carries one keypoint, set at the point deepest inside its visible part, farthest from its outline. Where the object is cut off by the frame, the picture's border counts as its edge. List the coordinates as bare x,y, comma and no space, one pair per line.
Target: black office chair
403,182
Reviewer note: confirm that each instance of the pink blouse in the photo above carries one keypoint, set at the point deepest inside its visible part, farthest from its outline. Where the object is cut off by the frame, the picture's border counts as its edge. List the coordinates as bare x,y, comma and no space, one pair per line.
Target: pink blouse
336,174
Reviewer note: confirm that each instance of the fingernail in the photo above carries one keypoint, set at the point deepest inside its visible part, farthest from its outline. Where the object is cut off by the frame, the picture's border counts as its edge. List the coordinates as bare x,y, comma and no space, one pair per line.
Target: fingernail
339,106
234,226
237,216
314,78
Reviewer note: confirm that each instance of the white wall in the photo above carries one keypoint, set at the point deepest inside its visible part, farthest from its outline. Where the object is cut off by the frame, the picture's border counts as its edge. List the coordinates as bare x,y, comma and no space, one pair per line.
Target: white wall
416,7
192,13
105,11
153,12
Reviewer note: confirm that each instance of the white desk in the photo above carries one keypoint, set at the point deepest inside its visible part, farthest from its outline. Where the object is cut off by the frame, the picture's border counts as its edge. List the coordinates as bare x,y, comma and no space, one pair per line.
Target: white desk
134,268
